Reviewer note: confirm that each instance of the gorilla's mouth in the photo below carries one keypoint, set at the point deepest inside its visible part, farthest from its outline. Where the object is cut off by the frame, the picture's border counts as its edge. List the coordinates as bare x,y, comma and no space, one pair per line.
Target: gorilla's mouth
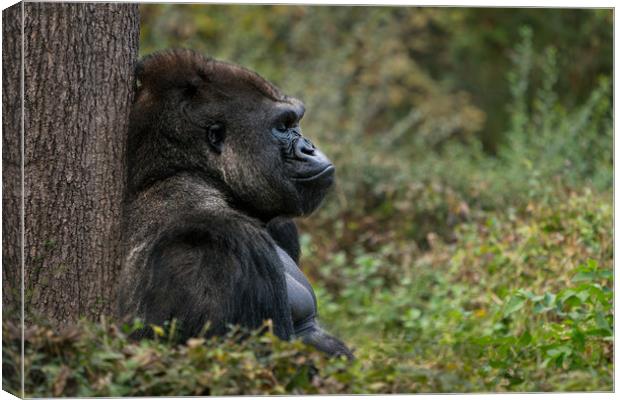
325,172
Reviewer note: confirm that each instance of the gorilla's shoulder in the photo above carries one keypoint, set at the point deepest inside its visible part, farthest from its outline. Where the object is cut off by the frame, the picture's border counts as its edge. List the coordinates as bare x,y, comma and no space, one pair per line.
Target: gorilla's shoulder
181,192
227,232
183,209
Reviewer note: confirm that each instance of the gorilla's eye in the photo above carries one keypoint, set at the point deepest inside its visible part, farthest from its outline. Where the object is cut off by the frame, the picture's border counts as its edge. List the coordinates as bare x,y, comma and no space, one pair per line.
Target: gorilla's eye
281,127
215,135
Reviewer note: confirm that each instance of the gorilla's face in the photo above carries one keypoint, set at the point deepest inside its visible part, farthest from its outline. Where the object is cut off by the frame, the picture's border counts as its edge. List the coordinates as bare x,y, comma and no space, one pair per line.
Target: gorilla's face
309,170
272,168
221,121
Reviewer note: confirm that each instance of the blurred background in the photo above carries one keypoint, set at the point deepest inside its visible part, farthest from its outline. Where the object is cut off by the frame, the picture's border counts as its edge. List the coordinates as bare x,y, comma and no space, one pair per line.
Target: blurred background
467,245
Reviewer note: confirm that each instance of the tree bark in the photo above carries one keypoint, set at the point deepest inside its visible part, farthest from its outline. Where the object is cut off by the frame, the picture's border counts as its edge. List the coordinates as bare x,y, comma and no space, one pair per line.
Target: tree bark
78,88
11,162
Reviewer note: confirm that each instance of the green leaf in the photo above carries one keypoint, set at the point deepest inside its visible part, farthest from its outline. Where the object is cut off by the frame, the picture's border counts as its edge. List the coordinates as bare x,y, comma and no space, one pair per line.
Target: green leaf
558,351
514,304
526,338
601,321
413,313
579,340
572,301
539,308
582,276
526,293
599,332
565,294
584,294
606,274
515,380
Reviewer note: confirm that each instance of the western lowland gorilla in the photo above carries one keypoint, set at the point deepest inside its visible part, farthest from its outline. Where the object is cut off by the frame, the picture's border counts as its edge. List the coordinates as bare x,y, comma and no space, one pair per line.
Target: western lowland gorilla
217,166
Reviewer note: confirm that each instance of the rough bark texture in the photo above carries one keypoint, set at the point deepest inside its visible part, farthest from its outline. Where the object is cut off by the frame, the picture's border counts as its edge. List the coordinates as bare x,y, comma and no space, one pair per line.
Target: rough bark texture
79,82
11,162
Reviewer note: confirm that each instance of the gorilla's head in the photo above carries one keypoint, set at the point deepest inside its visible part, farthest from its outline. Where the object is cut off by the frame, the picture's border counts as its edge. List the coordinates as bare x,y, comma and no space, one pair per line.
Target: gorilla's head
199,116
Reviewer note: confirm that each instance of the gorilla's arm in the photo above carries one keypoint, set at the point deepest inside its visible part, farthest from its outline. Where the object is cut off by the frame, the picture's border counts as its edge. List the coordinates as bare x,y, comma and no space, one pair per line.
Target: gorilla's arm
304,311
285,234
199,277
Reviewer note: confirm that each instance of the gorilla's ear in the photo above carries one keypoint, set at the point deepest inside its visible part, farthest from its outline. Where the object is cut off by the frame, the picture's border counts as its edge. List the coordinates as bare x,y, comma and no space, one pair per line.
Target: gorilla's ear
216,133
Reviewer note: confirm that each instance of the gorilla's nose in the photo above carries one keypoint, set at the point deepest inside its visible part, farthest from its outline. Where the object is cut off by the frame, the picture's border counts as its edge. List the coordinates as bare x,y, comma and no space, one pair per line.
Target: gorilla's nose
312,165
304,148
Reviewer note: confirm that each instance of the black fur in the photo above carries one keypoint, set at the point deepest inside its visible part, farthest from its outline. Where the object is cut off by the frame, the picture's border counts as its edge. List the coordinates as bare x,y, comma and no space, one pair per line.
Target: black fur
217,167
284,232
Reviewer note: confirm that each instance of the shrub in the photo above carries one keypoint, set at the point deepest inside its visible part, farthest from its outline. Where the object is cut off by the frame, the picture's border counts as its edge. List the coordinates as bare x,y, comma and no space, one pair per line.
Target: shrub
93,360
521,300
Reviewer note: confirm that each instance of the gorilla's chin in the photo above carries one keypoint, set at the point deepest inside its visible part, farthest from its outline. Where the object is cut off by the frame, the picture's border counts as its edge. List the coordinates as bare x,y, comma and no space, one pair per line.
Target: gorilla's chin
313,191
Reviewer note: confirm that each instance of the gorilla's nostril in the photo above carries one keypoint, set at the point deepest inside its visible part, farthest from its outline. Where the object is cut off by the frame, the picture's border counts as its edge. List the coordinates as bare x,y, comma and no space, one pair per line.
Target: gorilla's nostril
304,147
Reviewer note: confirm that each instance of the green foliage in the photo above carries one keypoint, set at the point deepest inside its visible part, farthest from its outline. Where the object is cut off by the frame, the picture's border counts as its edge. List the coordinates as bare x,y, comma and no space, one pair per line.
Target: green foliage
574,146
479,43
89,360
519,301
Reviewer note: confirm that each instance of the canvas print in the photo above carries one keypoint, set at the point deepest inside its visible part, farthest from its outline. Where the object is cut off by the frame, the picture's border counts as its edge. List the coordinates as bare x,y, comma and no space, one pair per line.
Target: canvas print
229,199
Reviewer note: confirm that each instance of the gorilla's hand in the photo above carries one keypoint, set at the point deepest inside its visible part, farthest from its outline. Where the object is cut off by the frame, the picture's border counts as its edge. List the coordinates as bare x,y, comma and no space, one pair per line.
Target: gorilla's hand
327,343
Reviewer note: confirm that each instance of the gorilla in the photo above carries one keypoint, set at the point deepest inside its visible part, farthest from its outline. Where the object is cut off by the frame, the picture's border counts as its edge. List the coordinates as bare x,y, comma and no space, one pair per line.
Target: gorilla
217,167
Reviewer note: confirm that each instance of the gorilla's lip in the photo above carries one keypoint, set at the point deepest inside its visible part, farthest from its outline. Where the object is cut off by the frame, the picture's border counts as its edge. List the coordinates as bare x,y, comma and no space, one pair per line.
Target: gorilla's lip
325,171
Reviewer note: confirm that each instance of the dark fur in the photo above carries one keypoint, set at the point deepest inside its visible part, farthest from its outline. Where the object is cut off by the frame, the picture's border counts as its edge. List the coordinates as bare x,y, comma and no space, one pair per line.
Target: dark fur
199,247
284,232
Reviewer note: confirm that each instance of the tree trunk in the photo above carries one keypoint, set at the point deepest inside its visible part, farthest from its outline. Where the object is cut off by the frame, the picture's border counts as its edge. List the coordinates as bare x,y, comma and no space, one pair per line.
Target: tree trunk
78,88
11,163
